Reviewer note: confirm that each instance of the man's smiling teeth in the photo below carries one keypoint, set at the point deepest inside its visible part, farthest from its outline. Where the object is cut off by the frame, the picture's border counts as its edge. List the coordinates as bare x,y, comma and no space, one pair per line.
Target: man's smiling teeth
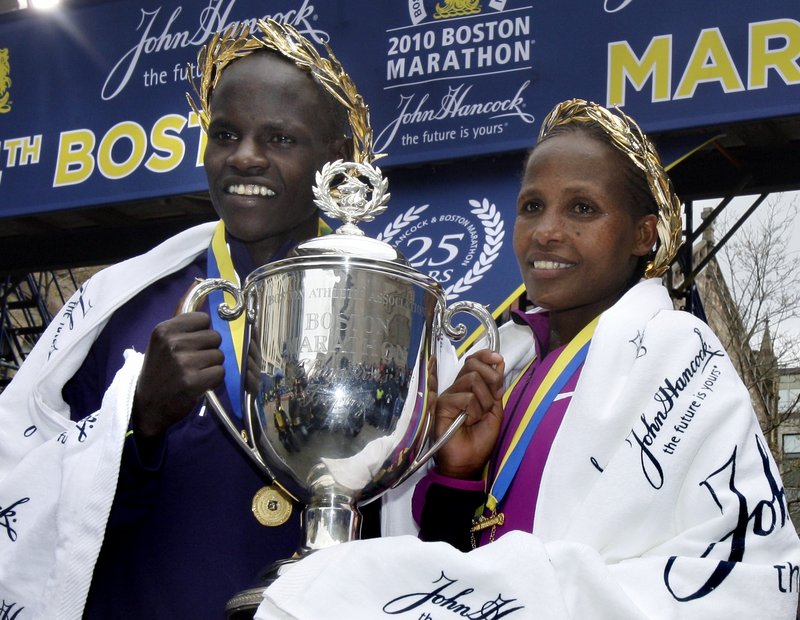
250,190
549,264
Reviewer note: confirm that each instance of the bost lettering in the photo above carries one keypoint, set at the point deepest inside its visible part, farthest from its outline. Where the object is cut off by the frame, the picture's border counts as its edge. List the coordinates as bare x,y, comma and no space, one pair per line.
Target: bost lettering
123,149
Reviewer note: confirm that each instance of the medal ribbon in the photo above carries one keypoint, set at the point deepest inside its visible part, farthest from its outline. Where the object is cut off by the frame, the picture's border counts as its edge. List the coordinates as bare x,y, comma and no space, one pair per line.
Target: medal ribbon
220,265
567,363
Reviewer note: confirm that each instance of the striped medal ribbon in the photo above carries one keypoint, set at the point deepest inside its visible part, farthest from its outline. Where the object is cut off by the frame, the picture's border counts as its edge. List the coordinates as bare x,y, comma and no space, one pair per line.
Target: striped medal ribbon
220,265
565,366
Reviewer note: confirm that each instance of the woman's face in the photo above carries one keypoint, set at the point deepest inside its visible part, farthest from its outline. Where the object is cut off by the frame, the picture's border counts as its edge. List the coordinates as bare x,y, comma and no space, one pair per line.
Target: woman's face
268,134
576,239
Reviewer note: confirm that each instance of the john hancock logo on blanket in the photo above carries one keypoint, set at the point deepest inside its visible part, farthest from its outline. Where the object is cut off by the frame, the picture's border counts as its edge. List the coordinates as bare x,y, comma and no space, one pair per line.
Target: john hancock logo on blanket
661,432
9,611
460,600
455,249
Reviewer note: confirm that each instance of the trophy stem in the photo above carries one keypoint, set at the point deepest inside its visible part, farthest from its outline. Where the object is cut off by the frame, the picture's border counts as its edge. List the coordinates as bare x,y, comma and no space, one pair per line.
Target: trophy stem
330,519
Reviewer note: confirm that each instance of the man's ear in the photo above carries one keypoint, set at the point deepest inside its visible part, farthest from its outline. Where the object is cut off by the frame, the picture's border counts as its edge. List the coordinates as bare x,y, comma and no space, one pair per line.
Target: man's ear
646,235
342,148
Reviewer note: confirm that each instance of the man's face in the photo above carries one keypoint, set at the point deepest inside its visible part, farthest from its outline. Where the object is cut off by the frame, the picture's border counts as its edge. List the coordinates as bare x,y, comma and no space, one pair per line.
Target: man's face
268,134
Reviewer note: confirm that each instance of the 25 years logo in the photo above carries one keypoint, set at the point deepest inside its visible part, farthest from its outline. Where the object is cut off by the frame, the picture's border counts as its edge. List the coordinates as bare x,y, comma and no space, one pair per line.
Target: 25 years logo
455,249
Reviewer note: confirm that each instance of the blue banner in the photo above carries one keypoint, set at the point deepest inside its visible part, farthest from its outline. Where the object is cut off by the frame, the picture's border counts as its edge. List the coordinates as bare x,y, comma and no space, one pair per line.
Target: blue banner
93,109
456,227
93,99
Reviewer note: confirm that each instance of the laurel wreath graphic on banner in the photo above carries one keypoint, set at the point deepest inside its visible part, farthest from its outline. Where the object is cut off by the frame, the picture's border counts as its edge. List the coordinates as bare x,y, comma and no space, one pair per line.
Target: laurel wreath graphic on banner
400,222
493,227
495,233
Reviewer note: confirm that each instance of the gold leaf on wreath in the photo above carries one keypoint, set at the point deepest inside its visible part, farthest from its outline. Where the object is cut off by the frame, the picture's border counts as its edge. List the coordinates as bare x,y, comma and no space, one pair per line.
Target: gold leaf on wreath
238,41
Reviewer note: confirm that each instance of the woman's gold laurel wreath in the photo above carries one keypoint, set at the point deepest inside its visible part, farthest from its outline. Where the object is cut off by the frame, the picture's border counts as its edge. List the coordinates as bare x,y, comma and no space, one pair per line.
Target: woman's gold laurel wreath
238,41
628,137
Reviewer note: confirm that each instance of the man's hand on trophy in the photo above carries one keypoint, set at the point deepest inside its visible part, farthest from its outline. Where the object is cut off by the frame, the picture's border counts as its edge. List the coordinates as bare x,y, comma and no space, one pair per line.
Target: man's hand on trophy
478,391
182,361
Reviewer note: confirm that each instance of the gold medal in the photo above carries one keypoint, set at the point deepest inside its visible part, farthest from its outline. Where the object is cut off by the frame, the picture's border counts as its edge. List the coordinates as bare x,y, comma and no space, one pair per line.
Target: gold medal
271,506
481,523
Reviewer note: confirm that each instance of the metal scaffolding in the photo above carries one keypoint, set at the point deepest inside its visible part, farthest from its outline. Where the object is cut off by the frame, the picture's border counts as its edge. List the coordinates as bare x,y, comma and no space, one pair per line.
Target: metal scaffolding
25,302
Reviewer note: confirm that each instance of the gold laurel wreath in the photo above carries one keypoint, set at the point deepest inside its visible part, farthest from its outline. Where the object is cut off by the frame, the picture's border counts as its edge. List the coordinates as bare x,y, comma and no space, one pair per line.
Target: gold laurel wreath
628,137
238,41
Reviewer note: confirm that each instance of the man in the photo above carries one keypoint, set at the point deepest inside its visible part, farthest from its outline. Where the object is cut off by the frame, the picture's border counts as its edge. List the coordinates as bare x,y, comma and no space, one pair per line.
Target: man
142,467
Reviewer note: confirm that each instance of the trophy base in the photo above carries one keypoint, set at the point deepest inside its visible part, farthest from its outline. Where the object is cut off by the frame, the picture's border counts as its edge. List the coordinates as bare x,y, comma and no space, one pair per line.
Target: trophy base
323,524
243,605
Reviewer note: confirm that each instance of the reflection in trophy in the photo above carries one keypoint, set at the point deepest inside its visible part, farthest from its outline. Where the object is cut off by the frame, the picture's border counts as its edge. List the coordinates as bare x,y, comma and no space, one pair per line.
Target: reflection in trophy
339,360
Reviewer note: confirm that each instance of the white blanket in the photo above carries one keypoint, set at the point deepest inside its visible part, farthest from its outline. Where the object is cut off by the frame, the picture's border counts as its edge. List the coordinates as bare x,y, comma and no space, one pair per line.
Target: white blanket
57,477
659,500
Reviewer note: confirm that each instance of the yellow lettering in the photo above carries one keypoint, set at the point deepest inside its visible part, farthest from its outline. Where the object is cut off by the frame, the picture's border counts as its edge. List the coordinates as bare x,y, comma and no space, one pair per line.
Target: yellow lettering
167,143
126,130
783,59
194,121
75,161
27,150
710,62
656,63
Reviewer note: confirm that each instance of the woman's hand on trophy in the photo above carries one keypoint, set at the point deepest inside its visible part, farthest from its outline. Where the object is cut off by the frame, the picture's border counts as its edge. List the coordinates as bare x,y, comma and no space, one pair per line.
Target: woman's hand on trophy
182,361
477,391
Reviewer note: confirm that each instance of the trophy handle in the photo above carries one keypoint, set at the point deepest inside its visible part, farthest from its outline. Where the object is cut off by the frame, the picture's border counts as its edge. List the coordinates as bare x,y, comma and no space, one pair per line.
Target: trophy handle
457,332
191,303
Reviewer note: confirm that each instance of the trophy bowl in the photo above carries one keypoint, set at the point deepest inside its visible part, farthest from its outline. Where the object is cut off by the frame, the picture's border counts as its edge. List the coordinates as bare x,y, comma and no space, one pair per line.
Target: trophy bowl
338,368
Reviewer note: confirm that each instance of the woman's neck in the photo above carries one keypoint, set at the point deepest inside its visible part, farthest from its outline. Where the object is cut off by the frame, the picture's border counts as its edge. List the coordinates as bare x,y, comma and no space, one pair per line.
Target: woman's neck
561,332
566,324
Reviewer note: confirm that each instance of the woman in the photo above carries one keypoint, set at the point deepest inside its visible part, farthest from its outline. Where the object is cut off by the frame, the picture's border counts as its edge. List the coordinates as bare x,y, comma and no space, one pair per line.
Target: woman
586,225
611,455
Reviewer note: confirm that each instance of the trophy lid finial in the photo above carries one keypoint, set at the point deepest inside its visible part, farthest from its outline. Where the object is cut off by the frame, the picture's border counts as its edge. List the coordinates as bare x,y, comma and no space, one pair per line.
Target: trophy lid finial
352,192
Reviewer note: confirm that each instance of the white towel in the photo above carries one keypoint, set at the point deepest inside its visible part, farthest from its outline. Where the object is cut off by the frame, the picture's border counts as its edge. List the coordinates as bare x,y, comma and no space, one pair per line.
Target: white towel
659,500
58,477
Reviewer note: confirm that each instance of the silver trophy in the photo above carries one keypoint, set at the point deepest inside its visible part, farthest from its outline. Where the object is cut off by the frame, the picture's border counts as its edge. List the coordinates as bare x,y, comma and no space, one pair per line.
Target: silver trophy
339,362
